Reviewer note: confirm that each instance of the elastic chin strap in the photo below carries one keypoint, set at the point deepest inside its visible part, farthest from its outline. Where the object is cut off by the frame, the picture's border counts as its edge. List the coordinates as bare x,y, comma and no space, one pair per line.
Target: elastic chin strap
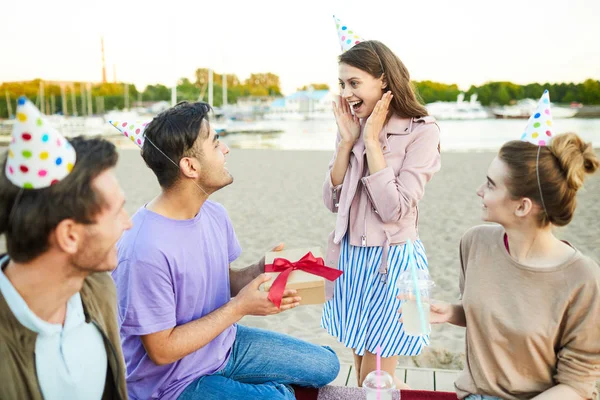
14,206
174,163
379,59
537,172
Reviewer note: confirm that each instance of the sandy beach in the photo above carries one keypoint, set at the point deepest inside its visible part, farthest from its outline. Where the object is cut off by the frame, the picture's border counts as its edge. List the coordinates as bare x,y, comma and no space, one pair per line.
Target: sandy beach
276,197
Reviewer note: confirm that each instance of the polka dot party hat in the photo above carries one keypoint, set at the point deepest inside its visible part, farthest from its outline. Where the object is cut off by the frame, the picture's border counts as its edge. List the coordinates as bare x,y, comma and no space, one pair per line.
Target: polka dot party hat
348,38
133,130
539,126
38,155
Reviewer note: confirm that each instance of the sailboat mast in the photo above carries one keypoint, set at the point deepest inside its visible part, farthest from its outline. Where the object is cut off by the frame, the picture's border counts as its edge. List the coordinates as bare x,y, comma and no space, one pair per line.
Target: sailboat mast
83,95
73,101
89,101
42,104
224,90
8,105
210,87
126,90
174,94
63,99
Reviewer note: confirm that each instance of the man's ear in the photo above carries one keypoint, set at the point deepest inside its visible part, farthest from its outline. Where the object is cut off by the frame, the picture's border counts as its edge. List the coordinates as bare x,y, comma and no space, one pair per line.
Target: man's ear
68,236
189,167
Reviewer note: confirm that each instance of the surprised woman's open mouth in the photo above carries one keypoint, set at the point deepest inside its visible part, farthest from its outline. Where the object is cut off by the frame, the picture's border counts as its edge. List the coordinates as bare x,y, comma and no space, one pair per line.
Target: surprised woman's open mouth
355,105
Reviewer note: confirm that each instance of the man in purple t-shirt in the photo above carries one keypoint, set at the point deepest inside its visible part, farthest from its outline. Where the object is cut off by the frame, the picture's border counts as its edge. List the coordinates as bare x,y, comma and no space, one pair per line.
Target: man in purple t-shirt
174,282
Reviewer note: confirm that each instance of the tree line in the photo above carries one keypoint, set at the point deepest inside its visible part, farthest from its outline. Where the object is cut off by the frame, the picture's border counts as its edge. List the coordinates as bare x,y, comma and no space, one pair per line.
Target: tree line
109,96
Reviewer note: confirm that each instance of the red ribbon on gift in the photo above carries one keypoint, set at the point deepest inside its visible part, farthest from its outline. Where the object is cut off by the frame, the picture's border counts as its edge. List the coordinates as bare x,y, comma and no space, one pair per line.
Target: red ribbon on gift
308,263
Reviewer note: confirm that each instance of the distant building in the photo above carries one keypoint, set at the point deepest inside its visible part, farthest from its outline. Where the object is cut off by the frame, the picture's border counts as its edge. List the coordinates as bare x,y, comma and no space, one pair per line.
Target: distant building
304,104
255,101
249,107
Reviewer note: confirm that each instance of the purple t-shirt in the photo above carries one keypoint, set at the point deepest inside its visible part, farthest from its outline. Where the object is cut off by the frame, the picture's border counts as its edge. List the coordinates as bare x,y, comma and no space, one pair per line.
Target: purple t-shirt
171,272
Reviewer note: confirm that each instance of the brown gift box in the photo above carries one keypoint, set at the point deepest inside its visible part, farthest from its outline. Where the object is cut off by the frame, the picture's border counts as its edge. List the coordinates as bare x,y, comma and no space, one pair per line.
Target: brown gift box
311,288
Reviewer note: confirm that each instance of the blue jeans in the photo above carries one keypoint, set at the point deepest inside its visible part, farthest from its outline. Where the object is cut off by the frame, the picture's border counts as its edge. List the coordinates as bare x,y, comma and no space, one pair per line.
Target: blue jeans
481,397
263,365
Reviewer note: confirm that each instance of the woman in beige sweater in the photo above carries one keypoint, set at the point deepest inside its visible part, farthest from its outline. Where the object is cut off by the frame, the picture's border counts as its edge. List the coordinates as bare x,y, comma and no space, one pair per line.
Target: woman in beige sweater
529,301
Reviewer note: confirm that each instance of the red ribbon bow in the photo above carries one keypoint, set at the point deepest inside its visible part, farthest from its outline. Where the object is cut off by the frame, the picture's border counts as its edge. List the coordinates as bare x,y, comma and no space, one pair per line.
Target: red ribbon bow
308,263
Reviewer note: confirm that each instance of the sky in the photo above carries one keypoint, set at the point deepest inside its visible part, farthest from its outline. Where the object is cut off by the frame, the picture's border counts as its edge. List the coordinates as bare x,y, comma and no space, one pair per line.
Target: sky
467,42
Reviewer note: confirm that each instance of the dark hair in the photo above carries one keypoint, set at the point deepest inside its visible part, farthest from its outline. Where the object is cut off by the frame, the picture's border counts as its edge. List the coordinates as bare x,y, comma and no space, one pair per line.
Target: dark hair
377,59
28,216
562,168
174,132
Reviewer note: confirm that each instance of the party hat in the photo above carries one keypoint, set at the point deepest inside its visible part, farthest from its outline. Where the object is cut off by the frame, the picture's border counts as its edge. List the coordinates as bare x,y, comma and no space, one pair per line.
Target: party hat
348,38
38,155
539,126
134,130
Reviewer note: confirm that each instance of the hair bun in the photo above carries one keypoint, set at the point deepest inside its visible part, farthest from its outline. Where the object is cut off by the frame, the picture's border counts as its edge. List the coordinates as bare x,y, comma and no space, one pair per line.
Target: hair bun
575,156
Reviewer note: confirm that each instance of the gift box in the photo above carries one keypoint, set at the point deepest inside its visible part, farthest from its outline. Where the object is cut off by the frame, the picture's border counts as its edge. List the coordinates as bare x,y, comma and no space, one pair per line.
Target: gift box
301,269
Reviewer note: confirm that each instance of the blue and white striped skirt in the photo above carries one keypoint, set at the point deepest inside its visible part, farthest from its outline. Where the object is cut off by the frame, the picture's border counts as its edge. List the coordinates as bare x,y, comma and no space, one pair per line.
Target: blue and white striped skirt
364,311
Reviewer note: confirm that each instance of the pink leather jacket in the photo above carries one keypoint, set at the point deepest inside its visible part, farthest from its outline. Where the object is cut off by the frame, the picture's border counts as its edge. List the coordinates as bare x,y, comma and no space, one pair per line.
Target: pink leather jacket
382,209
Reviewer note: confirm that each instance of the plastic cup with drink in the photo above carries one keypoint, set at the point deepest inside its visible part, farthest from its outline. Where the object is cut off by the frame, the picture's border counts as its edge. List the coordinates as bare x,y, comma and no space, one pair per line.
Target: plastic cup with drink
379,385
415,287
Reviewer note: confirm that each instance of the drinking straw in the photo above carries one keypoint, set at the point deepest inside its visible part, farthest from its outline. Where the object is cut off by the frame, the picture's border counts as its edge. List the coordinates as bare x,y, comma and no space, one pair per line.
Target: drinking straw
378,351
413,269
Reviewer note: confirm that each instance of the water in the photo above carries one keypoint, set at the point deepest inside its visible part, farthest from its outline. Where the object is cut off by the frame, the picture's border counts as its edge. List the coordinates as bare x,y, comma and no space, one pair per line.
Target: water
295,135
475,135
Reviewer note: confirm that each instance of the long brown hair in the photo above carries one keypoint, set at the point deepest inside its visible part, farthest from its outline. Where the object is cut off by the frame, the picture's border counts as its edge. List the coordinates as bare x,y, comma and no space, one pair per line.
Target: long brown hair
377,59
562,166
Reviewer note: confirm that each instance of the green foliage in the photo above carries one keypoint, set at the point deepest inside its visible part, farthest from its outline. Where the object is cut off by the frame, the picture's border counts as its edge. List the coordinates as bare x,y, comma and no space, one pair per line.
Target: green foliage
435,91
502,93
113,94
315,86
186,90
259,84
156,92
263,84
268,84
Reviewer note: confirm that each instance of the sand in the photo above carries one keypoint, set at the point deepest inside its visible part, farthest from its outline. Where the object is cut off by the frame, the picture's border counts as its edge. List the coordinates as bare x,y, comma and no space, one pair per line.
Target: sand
276,197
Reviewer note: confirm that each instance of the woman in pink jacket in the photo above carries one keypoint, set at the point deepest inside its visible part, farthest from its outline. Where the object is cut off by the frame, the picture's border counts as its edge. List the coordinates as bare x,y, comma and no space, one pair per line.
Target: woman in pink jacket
387,149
